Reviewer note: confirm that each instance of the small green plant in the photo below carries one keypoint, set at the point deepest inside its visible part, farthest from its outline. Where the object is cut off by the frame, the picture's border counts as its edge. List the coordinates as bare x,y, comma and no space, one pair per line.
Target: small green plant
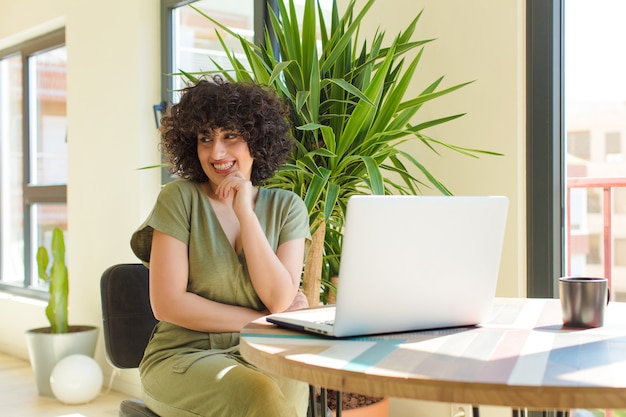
57,277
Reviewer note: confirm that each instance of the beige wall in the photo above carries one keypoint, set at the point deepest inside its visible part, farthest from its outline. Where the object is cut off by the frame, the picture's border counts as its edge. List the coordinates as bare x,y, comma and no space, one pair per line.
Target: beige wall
113,81
480,41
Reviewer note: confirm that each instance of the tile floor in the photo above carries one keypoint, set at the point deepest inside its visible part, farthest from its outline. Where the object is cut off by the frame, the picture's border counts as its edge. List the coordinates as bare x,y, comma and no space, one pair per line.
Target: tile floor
18,396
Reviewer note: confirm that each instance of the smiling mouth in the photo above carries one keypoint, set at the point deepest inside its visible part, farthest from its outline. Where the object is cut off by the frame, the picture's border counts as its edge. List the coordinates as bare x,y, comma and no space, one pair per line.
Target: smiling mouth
224,166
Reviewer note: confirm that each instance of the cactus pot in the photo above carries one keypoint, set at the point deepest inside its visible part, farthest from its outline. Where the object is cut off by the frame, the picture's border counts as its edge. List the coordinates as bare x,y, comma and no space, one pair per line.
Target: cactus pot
45,349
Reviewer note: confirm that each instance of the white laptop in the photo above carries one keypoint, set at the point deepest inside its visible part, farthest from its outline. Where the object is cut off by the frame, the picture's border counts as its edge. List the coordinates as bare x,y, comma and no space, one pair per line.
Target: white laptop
411,263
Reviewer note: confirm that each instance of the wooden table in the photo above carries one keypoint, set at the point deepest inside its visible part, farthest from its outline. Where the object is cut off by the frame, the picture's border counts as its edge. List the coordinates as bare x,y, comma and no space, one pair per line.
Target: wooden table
521,357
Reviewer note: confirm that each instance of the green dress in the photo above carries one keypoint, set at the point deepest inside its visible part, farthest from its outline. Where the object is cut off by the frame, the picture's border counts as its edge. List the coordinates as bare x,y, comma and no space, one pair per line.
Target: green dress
190,373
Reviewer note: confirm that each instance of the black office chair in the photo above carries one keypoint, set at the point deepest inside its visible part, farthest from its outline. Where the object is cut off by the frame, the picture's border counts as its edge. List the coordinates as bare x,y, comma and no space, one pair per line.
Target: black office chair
127,320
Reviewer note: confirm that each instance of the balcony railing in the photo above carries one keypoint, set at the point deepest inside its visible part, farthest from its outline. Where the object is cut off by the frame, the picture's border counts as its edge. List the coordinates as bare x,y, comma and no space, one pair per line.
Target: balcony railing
606,184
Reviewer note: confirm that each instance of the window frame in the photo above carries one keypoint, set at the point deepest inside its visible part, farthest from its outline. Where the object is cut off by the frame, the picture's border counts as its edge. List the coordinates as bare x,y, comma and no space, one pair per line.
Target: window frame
545,166
32,194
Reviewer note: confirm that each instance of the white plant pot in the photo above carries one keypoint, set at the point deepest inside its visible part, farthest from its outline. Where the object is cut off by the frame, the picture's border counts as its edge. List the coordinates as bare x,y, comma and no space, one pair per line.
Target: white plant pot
45,349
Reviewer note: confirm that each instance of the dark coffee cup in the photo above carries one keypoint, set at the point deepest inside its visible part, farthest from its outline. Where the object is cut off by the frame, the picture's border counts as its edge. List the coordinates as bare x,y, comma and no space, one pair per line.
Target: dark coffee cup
583,301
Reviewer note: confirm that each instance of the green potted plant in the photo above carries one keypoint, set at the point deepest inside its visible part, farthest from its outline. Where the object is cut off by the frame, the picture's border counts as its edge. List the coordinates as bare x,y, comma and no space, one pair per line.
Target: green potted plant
48,345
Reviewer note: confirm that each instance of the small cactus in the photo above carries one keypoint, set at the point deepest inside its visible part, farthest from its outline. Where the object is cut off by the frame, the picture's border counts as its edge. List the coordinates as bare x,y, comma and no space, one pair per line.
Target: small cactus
57,276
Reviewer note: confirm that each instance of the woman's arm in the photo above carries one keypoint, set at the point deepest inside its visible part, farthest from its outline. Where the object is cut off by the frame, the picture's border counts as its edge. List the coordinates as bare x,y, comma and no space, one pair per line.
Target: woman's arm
275,276
170,300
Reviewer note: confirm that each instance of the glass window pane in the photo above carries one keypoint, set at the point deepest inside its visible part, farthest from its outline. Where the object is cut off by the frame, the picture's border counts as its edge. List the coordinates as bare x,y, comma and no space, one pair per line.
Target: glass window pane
48,118
44,218
613,143
33,156
196,45
619,200
578,144
595,121
11,198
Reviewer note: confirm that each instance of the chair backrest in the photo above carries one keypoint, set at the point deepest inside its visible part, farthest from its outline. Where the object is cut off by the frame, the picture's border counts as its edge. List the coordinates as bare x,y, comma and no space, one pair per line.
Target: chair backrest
127,318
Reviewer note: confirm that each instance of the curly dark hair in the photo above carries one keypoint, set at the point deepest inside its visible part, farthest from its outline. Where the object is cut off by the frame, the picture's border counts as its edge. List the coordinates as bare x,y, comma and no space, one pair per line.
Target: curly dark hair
253,110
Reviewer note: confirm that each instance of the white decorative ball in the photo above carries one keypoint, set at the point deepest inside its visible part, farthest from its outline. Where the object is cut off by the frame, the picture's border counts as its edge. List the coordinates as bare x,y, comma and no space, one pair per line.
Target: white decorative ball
76,379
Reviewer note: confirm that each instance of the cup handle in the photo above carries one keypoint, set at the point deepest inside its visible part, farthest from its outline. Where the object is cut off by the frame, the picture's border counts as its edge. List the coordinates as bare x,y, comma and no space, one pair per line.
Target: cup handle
608,296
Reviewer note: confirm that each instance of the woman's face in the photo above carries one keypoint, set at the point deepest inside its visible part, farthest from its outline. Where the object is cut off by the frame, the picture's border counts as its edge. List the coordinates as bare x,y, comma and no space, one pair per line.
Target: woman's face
222,152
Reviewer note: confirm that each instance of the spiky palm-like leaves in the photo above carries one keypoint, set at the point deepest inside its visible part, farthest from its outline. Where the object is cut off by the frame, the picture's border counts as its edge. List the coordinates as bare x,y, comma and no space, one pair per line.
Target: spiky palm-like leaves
349,109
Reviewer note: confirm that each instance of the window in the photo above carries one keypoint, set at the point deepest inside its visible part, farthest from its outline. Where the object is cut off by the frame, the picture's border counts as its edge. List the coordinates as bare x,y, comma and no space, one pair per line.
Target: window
593,81
613,142
594,256
579,144
613,147
619,200
594,97
191,42
33,156
594,200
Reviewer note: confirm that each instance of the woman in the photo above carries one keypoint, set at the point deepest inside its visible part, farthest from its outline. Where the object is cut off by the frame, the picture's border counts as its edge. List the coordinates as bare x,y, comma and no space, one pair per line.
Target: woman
222,251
